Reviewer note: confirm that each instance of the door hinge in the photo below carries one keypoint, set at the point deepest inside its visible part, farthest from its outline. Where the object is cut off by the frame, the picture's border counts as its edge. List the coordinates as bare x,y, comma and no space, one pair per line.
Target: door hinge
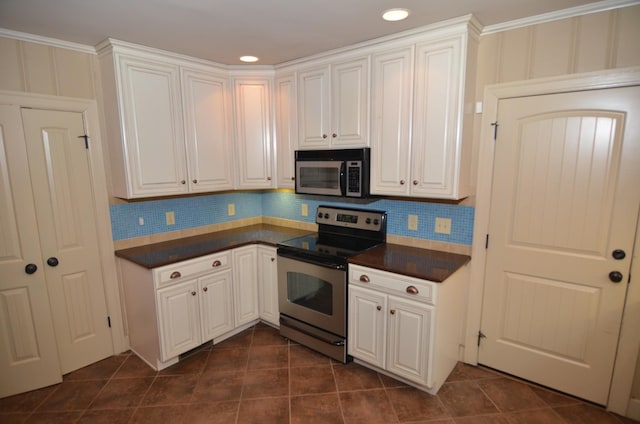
495,130
486,242
86,140
109,321
480,336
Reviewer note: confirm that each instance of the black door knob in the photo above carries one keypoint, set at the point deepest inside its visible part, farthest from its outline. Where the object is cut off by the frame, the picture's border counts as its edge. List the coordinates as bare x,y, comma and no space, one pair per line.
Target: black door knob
52,261
618,254
615,276
30,268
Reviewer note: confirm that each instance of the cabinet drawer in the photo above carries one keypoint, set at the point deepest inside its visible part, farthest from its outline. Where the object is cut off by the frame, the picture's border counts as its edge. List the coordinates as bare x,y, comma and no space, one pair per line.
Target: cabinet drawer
169,274
399,285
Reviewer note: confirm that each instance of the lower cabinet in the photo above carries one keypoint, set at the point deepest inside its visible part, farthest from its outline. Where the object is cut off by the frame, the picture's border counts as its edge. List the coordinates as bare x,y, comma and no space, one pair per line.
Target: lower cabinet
268,285
406,327
177,307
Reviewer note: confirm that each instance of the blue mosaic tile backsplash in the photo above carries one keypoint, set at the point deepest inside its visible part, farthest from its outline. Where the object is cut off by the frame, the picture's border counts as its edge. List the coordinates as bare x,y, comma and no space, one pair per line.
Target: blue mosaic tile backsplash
205,210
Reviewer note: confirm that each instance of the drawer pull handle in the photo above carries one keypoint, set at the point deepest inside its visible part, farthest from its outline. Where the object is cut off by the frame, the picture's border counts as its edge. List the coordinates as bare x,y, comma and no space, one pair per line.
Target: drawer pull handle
204,289
379,307
412,290
216,263
193,293
364,278
175,274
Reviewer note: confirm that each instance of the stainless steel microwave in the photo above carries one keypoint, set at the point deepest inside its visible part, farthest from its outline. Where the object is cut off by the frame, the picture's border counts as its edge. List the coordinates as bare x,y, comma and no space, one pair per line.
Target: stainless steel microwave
343,172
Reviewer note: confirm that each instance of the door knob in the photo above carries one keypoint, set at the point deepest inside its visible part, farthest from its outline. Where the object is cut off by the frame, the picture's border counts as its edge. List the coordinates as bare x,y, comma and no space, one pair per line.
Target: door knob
30,268
615,276
53,261
618,254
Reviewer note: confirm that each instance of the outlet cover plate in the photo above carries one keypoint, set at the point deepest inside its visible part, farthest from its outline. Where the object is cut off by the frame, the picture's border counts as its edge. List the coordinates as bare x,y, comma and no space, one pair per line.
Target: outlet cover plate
443,226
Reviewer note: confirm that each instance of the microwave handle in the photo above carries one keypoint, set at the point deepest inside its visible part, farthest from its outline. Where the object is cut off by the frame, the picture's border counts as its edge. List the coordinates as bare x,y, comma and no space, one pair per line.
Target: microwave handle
343,178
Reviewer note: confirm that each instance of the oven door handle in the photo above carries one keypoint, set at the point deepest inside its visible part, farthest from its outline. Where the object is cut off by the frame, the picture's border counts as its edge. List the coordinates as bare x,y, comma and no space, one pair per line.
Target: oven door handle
290,324
304,258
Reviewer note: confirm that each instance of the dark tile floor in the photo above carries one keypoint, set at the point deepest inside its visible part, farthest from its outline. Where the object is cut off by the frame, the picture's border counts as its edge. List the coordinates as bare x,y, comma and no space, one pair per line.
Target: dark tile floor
259,377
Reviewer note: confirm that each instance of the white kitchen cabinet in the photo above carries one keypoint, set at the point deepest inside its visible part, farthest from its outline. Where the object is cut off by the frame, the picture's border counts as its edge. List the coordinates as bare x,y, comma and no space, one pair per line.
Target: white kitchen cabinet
406,327
268,284
168,123
252,107
207,122
245,284
286,129
333,105
216,304
434,160
179,318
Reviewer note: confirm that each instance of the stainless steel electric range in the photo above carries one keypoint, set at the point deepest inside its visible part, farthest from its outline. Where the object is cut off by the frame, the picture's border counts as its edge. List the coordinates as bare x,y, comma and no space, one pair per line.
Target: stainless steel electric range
312,277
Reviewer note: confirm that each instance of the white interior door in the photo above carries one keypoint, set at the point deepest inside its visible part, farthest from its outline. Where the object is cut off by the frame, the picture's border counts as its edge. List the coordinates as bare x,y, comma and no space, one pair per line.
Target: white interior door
28,355
565,199
62,191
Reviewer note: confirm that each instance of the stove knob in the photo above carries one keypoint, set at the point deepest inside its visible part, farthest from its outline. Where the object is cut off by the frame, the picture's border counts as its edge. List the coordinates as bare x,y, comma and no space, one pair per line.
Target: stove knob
319,214
376,221
326,216
368,221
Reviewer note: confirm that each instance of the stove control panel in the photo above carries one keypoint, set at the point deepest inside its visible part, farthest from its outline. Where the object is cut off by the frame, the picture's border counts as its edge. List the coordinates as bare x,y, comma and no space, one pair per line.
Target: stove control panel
372,220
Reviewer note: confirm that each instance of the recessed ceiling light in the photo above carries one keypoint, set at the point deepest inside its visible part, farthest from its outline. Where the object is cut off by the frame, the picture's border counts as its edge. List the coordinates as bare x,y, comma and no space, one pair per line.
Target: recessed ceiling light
248,59
395,14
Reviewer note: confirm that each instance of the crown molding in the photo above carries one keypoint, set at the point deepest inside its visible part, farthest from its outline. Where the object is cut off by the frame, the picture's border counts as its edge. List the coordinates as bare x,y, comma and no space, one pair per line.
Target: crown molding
572,12
47,41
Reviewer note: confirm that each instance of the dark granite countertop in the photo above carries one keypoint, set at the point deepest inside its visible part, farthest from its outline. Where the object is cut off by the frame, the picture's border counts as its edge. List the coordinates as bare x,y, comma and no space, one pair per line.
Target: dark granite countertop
168,252
432,265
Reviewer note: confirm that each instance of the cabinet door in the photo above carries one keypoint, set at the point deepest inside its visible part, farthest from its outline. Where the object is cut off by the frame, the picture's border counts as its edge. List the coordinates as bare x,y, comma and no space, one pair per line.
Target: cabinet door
367,325
314,108
253,133
245,284
178,318
409,334
153,128
350,103
216,304
437,119
286,129
268,284
208,131
392,88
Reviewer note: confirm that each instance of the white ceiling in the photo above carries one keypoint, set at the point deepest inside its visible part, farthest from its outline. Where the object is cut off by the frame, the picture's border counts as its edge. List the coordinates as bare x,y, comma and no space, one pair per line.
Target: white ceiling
276,31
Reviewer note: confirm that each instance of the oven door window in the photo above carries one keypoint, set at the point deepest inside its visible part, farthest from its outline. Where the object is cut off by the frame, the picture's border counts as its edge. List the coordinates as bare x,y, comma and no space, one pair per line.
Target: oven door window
310,292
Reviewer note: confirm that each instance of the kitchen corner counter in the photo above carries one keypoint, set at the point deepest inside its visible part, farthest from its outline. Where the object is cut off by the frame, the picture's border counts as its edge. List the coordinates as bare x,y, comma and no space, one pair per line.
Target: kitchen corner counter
432,265
168,252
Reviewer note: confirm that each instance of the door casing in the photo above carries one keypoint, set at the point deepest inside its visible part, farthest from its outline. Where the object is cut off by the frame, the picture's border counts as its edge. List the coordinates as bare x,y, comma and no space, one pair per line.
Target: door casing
629,342
89,109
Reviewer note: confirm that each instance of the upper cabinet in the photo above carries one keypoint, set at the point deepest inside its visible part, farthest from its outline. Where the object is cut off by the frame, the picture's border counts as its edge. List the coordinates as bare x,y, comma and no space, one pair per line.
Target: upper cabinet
286,129
253,132
333,105
429,84
168,125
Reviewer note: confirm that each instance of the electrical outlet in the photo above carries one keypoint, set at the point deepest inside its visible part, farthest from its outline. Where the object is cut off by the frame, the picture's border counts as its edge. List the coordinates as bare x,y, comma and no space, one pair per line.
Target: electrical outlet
304,210
231,209
171,218
443,226
412,222
140,221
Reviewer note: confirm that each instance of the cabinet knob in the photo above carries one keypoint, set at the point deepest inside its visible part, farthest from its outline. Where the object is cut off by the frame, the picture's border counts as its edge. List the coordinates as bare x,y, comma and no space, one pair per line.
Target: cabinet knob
364,278
195,181
324,136
334,135
392,312
412,290
379,307
402,182
216,263
204,289
273,259
268,178
175,274
183,182
415,182
293,178
193,293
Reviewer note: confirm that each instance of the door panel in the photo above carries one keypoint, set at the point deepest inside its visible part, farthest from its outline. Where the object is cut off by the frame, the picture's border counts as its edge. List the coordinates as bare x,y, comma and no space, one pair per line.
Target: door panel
564,197
59,169
28,356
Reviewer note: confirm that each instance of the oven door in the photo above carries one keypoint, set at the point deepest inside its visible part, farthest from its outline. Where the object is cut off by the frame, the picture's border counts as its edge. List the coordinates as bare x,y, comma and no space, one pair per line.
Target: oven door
320,177
313,293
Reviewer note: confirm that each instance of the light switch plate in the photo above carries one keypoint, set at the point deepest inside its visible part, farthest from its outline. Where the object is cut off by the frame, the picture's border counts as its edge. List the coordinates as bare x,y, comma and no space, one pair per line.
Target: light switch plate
171,218
231,209
443,226
304,210
412,222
